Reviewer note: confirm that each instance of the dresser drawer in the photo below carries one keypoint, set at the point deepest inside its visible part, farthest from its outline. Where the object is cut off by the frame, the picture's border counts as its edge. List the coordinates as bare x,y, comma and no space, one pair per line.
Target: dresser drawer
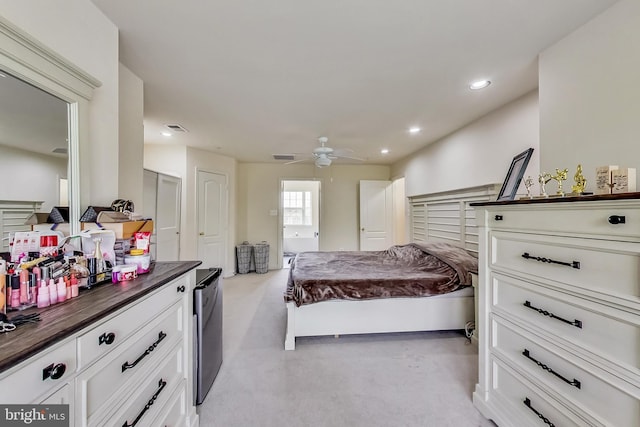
552,368
104,337
109,380
529,405
175,412
601,266
153,394
40,375
568,318
580,219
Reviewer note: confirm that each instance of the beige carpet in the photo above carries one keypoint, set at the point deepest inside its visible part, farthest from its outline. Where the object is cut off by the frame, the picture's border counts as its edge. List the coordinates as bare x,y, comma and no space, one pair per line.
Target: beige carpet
409,379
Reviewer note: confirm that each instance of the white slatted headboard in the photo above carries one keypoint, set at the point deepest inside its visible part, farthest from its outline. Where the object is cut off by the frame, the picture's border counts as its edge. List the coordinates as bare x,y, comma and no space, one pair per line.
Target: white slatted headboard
447,216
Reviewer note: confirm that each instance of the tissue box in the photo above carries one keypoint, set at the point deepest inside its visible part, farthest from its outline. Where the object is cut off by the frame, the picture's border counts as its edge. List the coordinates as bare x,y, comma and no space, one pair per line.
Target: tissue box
123,230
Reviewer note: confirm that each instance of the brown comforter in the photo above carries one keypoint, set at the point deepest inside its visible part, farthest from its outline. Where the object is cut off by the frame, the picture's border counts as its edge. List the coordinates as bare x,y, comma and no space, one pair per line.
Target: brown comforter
410,270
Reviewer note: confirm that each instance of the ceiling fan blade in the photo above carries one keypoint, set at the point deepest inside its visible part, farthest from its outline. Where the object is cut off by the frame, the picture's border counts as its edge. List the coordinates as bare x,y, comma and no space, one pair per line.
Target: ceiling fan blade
297,161
343,152
351,158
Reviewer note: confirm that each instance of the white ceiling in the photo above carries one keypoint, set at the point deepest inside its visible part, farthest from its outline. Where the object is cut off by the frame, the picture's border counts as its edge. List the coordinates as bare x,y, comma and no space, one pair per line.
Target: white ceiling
249,79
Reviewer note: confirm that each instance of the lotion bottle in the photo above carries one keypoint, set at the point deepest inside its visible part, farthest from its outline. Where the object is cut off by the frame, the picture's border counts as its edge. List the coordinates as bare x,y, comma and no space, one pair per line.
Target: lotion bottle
62,290
43,295
53,292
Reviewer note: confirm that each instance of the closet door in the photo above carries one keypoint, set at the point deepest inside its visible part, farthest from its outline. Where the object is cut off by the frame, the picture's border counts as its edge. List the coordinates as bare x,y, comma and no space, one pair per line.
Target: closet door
162,203
149,201
168,218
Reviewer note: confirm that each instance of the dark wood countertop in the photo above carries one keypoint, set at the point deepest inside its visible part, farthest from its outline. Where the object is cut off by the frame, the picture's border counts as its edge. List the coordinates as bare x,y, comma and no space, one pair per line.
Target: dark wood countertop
62,320
552,199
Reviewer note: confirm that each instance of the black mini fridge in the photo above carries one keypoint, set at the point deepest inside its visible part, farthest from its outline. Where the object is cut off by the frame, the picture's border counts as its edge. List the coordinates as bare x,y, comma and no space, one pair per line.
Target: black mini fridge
207,326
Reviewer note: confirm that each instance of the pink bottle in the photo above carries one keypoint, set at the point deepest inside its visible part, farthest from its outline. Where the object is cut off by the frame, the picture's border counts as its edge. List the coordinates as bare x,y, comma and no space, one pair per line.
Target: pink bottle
53,292
43,295
74,286
62,290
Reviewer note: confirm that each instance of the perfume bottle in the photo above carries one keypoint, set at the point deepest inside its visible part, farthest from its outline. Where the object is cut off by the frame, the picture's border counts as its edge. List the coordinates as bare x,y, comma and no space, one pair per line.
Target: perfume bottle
100,264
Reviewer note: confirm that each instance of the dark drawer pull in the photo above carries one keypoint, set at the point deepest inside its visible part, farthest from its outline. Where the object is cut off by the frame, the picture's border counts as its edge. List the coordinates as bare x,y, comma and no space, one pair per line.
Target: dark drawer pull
107,339
181,288
498,217
574,383
577,323
54,372
161,386
617,219
527,403
127,365
574,264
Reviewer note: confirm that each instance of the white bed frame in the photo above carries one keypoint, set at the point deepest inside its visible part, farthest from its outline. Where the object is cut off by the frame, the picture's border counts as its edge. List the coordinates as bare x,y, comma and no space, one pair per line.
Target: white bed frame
436,217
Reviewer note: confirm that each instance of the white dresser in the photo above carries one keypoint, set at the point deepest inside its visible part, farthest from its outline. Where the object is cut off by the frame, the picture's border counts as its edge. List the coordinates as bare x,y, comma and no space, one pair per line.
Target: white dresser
559,312
131,367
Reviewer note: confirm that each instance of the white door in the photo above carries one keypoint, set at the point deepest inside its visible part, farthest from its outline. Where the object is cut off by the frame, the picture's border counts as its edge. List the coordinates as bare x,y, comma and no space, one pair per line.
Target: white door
376,213
212,219
167,225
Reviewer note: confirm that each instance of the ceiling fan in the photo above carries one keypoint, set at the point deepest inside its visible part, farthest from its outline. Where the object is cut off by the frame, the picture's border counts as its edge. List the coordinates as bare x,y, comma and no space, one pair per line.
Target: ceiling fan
324,155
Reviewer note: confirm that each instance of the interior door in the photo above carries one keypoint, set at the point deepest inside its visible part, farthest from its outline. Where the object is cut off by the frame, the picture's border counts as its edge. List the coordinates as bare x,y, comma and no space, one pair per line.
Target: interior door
376,213
168,218
212,219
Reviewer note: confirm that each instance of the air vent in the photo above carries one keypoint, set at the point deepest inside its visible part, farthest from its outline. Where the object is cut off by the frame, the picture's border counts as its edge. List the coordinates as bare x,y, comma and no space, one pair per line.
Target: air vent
284,157
177,128
60,151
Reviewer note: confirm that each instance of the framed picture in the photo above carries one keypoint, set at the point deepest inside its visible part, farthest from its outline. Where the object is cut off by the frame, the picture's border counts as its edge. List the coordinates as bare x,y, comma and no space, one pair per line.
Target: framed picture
514,176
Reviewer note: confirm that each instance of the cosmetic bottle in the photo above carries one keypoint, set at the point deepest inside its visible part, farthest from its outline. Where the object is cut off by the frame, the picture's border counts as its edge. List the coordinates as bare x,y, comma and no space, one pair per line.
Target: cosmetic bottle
33,289
100,264
3,293
62,290
44,272
43,295
67,284
53,292
15,291
24,286
74,286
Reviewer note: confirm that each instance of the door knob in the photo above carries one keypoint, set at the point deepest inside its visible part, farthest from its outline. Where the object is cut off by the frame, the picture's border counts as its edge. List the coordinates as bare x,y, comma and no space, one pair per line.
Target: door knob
362,229
202,233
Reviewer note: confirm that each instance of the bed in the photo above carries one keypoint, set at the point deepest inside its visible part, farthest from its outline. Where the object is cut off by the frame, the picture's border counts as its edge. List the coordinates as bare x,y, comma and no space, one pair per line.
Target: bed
446,304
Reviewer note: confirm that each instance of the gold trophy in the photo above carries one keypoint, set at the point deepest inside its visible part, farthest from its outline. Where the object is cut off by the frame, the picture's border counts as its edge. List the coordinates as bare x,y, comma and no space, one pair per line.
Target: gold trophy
580,182
561,175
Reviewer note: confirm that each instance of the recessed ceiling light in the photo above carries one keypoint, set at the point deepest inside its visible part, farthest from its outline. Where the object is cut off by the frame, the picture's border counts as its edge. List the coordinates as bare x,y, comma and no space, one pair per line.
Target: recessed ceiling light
480,84
384,151
166,133
414,130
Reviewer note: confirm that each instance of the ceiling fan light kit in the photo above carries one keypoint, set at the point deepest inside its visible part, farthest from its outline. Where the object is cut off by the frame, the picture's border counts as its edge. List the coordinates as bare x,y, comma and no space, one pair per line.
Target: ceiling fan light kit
322,161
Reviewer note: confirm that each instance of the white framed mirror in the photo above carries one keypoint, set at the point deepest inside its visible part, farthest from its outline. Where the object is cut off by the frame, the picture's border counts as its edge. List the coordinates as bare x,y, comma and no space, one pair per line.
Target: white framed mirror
32,70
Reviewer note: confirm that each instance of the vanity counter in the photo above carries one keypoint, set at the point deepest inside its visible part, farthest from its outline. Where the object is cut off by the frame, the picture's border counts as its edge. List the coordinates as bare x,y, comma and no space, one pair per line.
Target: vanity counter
64,319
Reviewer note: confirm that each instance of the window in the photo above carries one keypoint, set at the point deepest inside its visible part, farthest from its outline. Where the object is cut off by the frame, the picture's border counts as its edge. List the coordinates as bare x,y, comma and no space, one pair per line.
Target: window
297,207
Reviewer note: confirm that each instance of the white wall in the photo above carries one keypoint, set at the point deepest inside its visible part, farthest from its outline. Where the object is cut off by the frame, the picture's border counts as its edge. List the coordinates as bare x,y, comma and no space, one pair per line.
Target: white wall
131,137
590,94
259,194
26,167
479,153
208,162
184,162
79,32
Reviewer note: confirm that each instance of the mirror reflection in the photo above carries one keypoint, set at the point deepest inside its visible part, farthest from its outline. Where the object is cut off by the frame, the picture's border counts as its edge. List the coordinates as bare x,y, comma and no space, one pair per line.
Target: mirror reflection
33,144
